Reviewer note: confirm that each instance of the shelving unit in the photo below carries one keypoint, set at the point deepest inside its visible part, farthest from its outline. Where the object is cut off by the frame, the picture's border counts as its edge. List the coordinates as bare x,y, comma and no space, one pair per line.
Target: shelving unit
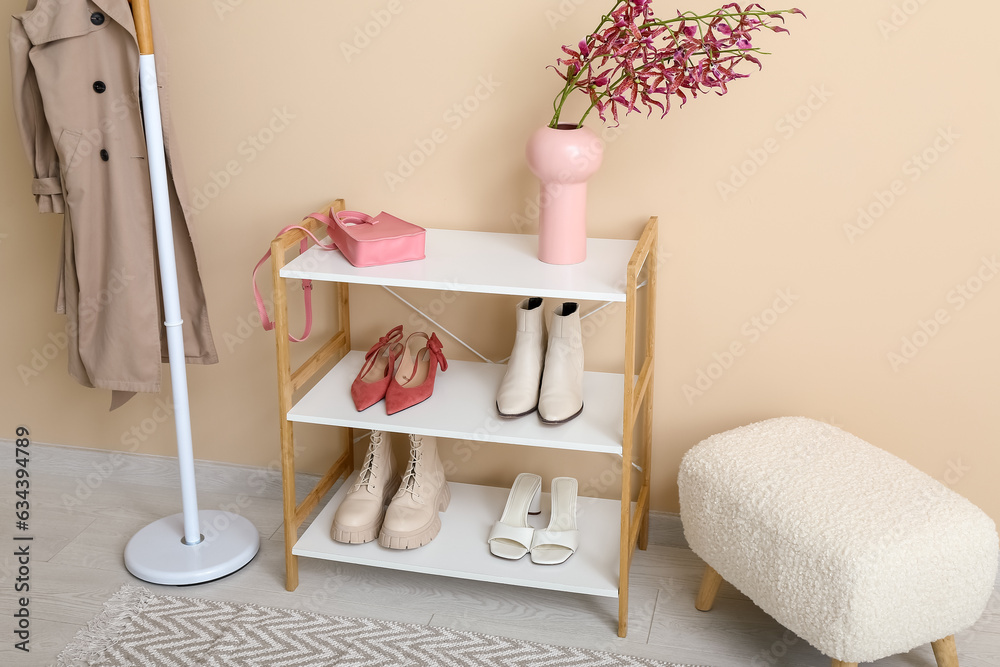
463,407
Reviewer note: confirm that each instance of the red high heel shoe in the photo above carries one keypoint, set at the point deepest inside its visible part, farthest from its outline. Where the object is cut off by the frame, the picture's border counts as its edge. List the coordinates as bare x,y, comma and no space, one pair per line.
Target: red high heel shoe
380,361
414,381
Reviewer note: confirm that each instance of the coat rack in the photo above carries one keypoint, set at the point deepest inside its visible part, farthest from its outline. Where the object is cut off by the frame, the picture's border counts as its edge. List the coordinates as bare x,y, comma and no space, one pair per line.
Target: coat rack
195,546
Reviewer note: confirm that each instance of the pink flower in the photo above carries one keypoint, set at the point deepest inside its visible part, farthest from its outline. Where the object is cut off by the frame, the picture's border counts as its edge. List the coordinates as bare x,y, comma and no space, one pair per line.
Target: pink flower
634,61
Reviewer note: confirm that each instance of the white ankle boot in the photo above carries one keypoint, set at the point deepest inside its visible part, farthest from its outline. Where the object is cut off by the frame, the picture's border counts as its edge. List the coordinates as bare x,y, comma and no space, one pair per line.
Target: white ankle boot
412,520
518,393
359,516
561,396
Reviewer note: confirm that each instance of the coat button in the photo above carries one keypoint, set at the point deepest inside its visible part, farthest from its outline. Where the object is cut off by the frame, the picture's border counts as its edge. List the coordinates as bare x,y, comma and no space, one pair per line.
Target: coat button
99,87
104,154
97,18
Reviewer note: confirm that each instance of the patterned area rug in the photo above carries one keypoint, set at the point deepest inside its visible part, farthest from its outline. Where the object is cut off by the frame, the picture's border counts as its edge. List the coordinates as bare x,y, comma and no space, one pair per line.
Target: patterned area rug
138,627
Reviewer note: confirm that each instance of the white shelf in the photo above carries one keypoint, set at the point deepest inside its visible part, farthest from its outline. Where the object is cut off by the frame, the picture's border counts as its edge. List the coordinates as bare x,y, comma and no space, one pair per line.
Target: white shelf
460,549
463,406
483,262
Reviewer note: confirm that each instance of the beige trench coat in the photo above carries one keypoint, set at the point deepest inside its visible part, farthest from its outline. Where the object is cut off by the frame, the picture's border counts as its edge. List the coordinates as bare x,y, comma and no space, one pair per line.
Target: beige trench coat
75,71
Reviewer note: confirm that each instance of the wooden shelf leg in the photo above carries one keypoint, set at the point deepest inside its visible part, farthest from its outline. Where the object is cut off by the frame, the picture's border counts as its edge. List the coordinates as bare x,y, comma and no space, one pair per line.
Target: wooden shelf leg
291,560
647,463
644,531
288,496
644,254
710,583
945,652
645,483
625,540
652,262
284,405
623,604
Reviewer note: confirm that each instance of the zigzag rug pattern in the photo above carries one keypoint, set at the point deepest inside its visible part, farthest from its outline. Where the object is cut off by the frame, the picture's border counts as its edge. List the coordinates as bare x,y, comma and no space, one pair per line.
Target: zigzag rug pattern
138,627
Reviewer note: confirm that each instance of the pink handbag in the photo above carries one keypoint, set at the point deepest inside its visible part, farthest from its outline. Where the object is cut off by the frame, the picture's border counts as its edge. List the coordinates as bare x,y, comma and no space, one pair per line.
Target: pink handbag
363,240
368,241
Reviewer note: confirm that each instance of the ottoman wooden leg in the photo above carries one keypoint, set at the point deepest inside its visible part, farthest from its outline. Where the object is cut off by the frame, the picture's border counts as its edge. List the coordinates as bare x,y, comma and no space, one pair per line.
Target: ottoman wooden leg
710,583
945,652
838,663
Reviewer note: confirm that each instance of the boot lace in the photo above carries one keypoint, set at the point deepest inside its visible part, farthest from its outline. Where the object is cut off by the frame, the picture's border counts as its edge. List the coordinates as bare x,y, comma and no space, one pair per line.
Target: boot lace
411,482
370,467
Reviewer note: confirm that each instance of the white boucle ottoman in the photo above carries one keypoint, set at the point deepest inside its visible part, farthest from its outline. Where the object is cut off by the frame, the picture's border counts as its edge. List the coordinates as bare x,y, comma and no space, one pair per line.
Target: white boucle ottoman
851,548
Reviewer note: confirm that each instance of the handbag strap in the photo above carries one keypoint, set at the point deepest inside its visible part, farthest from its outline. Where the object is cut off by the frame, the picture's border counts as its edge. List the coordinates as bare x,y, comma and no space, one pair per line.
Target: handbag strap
306,284
339,217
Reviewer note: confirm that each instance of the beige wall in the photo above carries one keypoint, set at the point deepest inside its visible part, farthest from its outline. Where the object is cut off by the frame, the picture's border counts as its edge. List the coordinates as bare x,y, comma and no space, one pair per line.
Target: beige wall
877,99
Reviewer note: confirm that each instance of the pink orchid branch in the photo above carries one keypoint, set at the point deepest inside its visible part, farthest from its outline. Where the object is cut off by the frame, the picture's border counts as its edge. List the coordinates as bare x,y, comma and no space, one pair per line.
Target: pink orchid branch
571,78
634,59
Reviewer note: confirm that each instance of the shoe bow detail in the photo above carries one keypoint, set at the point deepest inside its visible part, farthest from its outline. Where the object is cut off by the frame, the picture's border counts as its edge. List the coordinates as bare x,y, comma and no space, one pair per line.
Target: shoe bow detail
391,337
434,348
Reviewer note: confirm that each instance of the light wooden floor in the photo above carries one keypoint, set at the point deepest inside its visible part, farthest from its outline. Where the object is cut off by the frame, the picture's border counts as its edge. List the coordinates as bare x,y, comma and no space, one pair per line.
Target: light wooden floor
86,504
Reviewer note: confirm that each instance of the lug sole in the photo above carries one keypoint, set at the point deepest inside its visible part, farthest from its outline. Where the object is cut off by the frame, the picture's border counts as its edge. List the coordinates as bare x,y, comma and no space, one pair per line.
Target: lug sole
357,534
368,532
421,536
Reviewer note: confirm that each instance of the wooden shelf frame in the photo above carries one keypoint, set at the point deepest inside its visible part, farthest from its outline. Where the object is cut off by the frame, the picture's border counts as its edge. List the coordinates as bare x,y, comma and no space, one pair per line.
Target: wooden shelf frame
289,382
638,397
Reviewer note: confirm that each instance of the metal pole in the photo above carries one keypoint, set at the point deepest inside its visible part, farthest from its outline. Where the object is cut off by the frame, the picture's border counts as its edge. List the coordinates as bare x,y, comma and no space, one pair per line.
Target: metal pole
158,553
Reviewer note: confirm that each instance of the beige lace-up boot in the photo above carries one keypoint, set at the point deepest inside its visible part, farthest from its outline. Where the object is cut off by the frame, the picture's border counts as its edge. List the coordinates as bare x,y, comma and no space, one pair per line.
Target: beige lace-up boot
359,516
412,520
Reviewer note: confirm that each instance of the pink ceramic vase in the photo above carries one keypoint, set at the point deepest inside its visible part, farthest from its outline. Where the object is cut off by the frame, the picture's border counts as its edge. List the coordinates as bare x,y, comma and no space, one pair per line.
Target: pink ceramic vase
563,158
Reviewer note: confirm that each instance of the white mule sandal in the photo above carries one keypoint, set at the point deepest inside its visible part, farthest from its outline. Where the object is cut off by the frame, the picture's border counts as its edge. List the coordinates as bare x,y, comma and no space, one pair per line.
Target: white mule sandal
511,536
560,540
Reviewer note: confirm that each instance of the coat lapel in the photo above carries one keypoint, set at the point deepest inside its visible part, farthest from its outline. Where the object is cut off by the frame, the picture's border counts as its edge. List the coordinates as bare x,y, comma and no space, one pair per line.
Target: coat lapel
49,20
121,12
